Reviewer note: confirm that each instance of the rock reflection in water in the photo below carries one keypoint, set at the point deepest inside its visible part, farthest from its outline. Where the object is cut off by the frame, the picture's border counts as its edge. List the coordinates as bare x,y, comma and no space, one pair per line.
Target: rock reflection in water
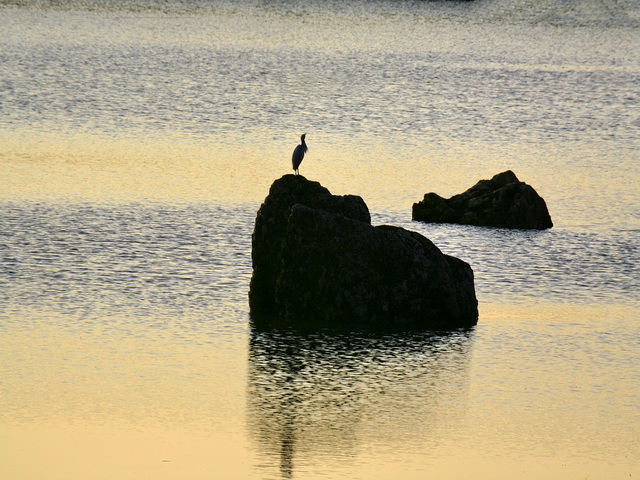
329,395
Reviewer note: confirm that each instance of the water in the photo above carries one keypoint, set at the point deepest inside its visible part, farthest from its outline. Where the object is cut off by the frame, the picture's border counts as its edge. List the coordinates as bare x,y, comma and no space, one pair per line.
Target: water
138,140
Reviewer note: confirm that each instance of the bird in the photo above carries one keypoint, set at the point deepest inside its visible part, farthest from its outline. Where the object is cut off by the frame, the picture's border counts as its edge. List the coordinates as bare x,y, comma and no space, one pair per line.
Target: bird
298,154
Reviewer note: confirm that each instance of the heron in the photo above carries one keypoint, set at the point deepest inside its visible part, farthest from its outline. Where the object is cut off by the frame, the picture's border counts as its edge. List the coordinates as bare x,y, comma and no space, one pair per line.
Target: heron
298,154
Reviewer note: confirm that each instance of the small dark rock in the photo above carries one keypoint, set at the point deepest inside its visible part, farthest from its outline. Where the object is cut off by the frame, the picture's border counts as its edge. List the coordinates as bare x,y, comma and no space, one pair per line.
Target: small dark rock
318,261
504,201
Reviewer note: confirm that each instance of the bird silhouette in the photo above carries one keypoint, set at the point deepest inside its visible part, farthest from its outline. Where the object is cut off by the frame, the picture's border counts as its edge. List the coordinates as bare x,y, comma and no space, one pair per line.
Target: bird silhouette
298,154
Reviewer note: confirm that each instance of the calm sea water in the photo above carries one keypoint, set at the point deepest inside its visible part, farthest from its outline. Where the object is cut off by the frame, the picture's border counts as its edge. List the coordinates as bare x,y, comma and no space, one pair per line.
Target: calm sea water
137,141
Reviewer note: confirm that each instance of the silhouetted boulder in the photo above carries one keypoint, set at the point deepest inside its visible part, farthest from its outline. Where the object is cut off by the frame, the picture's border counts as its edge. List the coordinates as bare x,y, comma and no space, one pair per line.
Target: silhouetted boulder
504,201
318,261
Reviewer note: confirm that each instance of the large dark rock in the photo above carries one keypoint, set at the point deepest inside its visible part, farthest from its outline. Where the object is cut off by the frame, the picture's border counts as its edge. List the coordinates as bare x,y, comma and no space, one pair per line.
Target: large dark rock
504,201
318,261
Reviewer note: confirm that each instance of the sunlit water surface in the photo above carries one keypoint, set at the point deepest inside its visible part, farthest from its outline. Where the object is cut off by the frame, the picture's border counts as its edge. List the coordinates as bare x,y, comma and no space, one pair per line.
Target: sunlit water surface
137,141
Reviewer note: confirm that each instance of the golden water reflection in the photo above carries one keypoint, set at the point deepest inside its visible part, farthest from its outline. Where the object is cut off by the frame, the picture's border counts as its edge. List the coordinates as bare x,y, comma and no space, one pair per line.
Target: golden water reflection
239,168
94,168
62,451
534,391
330,397
235,169
123,397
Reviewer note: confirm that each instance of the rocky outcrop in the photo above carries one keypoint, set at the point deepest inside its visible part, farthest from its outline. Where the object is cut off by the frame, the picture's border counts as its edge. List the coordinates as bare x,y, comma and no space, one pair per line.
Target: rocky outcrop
504,201
318,261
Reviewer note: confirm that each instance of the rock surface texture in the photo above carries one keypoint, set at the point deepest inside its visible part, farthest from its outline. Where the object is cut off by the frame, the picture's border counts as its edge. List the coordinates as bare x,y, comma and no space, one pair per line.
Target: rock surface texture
318,262
504,201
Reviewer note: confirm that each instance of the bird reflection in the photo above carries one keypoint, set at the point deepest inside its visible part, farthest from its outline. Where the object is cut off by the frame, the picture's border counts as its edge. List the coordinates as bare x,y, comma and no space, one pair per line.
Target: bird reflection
287,413
288,441
318,395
